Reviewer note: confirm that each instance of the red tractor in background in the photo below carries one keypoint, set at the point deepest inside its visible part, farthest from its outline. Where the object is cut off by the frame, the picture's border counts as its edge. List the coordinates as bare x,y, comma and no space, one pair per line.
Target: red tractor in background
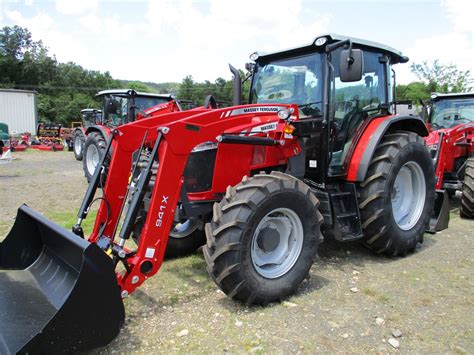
90,117
120,106
450,118
316,152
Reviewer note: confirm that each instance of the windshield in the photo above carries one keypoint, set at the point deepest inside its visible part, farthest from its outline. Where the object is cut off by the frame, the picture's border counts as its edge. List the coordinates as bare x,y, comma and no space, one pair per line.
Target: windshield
296,80
141,104
147,102
449,113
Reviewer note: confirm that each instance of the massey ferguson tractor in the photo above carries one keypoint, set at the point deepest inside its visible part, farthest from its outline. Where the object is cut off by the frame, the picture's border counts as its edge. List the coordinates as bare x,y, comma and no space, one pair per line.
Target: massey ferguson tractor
119,107
317,152
451,143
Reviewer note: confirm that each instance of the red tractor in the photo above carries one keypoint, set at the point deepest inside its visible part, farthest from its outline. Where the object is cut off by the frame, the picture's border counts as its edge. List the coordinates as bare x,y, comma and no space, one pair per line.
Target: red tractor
451,142
90,117
317,152
120,106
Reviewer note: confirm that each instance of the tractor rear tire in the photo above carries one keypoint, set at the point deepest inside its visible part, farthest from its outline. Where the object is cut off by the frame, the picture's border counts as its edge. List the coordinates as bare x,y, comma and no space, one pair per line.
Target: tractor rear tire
397,197
78,141
467,197
263,238
94,149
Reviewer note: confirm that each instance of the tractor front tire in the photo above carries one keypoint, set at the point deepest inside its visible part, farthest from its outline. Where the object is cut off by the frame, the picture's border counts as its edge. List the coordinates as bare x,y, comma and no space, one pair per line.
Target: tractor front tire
94,149
467,197
263,237
78,141
397,197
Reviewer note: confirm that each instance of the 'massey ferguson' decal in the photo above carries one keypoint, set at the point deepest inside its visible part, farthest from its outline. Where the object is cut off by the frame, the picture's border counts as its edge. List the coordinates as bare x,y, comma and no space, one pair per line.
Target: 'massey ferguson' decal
259,129
259,109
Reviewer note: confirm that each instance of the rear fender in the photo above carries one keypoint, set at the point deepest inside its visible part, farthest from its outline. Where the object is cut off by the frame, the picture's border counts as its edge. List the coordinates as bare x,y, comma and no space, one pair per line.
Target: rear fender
105,131
371,137
81,130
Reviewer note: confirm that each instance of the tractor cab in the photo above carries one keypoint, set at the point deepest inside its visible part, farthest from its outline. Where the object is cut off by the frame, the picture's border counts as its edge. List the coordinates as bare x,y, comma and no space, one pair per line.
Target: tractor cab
338,83
91,117
450,110
122,106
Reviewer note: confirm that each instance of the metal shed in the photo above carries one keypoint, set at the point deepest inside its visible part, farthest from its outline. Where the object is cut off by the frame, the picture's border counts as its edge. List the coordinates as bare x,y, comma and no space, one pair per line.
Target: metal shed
18,109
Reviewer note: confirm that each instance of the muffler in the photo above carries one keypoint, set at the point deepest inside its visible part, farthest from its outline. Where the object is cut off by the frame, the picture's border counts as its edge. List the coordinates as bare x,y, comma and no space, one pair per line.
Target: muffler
58,292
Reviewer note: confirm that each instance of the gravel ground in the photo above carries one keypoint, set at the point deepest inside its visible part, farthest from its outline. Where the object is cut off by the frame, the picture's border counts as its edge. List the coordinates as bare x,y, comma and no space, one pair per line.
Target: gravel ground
352,302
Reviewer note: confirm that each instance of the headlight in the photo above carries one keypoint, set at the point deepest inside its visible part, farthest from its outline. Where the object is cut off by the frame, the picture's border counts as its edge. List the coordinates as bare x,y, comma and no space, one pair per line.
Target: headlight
320,41
204,146
284,114
254,56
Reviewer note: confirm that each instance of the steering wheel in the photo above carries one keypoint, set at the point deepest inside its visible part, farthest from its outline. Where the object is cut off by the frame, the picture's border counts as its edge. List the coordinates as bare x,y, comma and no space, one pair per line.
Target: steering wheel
210,102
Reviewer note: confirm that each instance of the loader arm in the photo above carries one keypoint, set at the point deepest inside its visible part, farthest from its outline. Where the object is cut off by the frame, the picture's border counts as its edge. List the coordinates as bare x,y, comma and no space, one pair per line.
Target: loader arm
452,143
179,133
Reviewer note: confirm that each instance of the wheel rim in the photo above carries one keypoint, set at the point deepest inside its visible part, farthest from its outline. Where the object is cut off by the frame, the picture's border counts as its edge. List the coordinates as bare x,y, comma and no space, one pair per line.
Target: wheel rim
77,145
183,229
92,158
277,243
408,195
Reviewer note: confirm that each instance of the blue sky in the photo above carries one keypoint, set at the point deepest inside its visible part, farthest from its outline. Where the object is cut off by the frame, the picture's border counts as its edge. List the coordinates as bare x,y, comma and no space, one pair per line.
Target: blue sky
160,41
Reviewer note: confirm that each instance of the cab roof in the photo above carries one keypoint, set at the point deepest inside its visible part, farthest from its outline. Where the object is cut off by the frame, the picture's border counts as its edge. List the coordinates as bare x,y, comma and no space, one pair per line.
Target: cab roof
457,95
138,93
395,55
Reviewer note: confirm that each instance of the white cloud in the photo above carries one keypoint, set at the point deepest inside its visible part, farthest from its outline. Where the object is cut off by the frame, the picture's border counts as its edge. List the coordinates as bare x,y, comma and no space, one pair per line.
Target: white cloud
455,47
205,39
43,27
110,26
460,12
75,7
29,2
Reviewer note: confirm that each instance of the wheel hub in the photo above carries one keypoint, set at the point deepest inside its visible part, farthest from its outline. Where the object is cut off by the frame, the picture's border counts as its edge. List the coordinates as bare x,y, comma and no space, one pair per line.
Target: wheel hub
408,195
78,145
277,243
92,158
268,239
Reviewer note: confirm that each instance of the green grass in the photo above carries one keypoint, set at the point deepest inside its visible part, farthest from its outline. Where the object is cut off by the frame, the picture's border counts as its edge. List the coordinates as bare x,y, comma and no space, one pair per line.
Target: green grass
376,295
68,219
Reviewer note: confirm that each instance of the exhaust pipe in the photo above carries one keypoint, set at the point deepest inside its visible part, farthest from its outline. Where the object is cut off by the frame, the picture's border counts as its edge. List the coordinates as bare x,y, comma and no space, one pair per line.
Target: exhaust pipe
237,95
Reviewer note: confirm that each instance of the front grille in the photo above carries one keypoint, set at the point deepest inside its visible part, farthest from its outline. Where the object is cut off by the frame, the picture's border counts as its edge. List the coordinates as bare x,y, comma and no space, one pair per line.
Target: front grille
199,170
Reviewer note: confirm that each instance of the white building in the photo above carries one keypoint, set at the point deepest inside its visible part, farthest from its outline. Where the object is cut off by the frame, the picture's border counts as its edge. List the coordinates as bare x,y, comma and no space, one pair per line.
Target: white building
18,109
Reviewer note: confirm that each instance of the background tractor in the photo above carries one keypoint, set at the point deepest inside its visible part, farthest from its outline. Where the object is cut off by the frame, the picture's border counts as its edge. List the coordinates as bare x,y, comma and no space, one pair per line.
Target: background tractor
316,152
90,117
450,118
119,107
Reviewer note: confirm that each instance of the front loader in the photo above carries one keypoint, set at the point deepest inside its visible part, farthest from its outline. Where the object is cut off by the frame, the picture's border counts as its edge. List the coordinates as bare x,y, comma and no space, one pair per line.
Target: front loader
317,152
451,143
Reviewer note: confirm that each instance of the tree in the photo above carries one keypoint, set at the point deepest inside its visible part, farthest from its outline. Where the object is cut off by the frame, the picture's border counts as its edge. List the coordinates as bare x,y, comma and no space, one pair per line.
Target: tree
414,91
63,88
442,78
23,61
139,86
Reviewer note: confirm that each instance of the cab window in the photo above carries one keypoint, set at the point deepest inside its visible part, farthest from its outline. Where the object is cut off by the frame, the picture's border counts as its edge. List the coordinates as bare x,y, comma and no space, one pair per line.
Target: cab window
353,102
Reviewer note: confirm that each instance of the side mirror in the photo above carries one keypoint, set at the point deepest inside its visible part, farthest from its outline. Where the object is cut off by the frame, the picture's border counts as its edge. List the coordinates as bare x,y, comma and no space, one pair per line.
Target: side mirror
351,65
250,67
111,106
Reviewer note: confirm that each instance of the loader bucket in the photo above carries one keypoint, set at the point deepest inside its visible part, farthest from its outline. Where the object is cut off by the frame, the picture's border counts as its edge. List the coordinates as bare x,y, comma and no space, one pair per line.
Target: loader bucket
440,217
58,292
